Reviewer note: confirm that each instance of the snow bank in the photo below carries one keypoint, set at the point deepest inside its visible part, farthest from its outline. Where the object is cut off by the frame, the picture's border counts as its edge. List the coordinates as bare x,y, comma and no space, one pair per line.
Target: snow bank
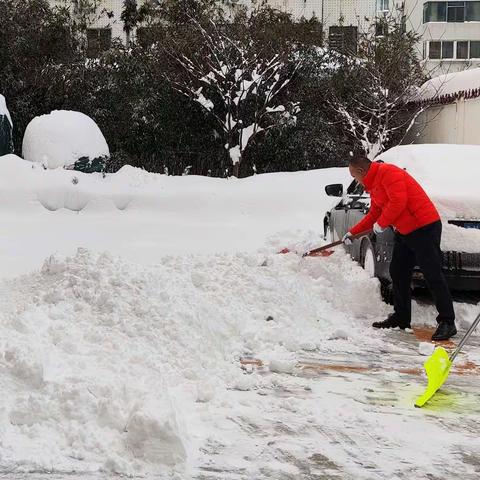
143,216
25,187
104,362
61,138
450,83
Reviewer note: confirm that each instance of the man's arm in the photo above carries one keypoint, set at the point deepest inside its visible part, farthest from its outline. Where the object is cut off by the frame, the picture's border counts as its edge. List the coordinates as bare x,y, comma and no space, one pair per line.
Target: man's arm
366,223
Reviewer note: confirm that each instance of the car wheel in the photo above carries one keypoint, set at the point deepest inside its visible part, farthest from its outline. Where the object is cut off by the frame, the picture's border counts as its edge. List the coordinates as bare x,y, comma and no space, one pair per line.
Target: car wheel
368,259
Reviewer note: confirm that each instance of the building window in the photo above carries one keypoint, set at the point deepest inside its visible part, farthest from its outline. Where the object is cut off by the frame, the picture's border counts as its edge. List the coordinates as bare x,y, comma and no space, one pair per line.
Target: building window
473,11
435,12
383,5
148,35
343,39
447,49
475,49
462,50
455,12
98,40
434,50
381,28
453,50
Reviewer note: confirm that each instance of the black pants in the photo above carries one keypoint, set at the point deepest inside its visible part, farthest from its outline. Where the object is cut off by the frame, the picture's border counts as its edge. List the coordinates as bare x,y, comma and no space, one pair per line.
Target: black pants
422,248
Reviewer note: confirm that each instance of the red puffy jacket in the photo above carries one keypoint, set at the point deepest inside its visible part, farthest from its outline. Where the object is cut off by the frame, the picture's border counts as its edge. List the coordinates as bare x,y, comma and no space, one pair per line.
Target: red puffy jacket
397,200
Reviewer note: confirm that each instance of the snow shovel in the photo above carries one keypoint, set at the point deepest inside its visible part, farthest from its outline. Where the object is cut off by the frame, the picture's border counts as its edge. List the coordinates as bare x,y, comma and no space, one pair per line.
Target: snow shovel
325,250
438,366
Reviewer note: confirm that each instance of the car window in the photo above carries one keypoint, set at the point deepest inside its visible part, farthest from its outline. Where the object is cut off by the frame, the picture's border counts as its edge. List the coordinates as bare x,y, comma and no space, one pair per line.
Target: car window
355,188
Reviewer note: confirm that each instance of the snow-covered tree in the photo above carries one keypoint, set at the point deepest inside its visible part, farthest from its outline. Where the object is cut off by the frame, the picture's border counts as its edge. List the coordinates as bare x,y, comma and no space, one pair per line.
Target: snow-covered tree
373,104
238,85
377,115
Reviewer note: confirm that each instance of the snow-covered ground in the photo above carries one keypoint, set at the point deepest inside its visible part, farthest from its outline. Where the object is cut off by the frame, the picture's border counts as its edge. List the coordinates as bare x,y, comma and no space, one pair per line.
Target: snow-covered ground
149,328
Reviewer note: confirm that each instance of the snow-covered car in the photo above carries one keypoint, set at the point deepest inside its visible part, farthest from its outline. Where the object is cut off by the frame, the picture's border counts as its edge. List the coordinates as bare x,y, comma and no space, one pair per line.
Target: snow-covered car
6,127
66,139
450,174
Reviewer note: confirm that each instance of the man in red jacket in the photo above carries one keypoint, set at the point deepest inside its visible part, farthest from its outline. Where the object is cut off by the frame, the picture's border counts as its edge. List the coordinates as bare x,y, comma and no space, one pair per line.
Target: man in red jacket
397,200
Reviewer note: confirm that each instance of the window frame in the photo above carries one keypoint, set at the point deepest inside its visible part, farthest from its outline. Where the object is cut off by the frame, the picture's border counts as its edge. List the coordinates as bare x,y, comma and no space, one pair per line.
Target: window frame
426,5
456,7
439,52
95,52
466,12
470,50
453,49
381,6
449,5
455,57
456,50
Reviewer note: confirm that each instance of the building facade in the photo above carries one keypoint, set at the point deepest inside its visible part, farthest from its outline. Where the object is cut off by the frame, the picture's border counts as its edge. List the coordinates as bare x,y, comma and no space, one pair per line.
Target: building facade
450,33
104,21
449,30
342,20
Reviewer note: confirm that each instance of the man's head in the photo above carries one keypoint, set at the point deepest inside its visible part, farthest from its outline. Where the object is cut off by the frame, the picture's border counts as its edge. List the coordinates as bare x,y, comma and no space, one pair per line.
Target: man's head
359,166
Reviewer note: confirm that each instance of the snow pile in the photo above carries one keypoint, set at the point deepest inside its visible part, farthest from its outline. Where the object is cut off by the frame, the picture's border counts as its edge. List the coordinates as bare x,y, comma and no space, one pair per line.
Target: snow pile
104,362
4,110
450,83
61,138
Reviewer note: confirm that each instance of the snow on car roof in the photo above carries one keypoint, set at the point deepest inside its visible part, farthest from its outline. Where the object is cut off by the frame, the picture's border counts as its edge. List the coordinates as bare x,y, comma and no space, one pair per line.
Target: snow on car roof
450,174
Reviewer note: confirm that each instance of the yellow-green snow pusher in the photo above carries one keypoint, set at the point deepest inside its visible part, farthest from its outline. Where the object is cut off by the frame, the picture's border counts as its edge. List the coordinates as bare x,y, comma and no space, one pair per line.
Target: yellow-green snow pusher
437,366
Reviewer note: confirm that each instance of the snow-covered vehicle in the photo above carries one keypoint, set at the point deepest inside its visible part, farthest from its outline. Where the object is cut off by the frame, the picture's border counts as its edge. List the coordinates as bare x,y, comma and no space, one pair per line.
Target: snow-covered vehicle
6,127
66,139
450,174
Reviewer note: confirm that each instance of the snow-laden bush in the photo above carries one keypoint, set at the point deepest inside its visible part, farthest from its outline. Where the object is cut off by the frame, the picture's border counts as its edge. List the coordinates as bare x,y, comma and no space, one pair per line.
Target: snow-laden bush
66,139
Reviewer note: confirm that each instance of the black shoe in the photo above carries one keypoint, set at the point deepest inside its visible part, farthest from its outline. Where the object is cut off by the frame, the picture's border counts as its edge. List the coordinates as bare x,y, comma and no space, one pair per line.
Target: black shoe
391,322
444,331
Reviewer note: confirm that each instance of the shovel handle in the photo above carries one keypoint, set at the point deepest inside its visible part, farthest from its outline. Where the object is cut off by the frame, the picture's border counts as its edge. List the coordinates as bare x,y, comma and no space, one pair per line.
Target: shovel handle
335,244
463,341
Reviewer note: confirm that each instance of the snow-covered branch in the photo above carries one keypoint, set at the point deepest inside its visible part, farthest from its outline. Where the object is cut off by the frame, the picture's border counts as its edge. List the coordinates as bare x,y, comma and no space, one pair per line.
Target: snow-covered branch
376,115
235,84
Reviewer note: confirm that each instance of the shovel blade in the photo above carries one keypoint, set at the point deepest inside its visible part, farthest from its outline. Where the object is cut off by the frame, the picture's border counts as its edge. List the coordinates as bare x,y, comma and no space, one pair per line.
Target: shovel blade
437,368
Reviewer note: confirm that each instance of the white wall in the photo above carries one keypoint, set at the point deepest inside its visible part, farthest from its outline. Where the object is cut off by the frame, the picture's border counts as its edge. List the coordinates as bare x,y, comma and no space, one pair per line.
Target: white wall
458,122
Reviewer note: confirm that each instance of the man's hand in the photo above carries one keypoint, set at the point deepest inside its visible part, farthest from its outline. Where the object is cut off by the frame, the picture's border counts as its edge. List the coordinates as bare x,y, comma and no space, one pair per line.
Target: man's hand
347,239
377,229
